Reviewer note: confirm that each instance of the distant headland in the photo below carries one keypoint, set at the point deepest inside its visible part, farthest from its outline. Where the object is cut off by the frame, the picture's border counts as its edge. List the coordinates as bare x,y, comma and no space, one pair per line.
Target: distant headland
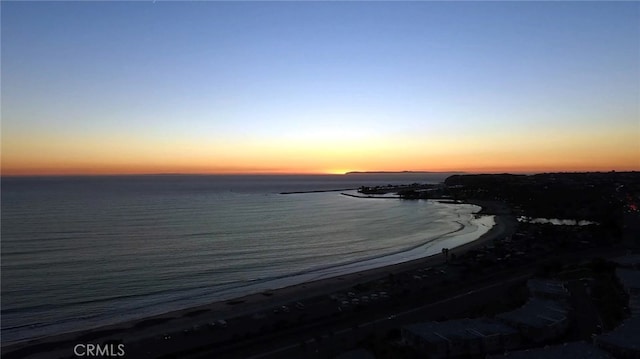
401,172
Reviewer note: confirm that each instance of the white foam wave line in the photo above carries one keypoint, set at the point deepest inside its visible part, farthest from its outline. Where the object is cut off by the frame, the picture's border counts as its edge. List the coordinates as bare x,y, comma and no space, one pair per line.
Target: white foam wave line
473,230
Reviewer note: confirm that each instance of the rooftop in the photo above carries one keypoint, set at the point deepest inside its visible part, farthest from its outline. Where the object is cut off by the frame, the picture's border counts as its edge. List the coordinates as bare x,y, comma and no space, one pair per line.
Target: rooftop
634,305
459,329
536,313
562,351
630,278
628,260
626,335
547,286
356,354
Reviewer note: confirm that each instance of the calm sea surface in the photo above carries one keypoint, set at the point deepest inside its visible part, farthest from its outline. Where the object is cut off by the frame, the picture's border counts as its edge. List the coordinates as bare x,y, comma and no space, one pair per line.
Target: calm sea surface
85,251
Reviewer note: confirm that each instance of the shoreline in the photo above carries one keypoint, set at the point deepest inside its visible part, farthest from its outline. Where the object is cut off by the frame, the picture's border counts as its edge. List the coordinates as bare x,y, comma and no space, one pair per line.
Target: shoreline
320,191
155,325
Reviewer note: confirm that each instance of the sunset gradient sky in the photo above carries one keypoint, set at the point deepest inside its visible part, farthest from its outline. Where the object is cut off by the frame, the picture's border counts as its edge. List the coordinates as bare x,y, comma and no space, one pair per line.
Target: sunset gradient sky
319,87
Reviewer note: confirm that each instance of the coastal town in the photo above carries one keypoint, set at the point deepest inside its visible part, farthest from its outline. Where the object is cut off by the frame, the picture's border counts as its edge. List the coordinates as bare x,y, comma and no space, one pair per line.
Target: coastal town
557,276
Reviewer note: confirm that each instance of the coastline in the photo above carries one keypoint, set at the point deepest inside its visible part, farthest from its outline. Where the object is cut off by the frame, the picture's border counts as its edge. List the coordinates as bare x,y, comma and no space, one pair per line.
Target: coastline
156,325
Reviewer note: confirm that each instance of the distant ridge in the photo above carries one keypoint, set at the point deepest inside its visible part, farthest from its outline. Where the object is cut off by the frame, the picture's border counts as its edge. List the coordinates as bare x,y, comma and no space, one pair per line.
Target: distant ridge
400,172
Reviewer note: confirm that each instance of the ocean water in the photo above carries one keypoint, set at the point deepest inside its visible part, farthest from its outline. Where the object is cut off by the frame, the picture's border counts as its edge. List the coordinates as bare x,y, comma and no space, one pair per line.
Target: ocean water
78,252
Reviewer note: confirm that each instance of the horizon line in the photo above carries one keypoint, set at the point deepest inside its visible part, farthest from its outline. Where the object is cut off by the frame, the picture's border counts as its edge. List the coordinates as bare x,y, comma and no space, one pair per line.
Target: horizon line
520,172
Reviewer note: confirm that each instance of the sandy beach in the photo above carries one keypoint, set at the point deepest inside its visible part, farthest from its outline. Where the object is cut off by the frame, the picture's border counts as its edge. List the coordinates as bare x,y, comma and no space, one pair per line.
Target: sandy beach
155,327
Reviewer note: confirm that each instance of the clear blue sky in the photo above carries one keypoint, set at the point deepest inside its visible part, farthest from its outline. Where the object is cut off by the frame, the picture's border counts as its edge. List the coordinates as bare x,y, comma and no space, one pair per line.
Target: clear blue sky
320,86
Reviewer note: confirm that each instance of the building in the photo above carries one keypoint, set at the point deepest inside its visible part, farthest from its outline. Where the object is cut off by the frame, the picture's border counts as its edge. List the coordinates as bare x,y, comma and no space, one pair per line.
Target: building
630,280
538,319
628,261
581,350
356,354
463,337
624,341
548,289
634,305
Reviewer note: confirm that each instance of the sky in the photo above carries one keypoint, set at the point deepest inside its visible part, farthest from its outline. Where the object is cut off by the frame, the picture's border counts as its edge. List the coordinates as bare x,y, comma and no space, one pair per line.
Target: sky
319,87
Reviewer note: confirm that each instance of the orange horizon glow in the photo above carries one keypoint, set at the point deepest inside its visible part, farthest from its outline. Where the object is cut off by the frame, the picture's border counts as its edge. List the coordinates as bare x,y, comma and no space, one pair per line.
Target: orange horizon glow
142,170
48,155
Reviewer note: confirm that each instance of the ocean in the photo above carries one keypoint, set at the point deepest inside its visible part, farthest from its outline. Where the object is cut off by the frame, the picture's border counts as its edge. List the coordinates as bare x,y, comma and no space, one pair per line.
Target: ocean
80,252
